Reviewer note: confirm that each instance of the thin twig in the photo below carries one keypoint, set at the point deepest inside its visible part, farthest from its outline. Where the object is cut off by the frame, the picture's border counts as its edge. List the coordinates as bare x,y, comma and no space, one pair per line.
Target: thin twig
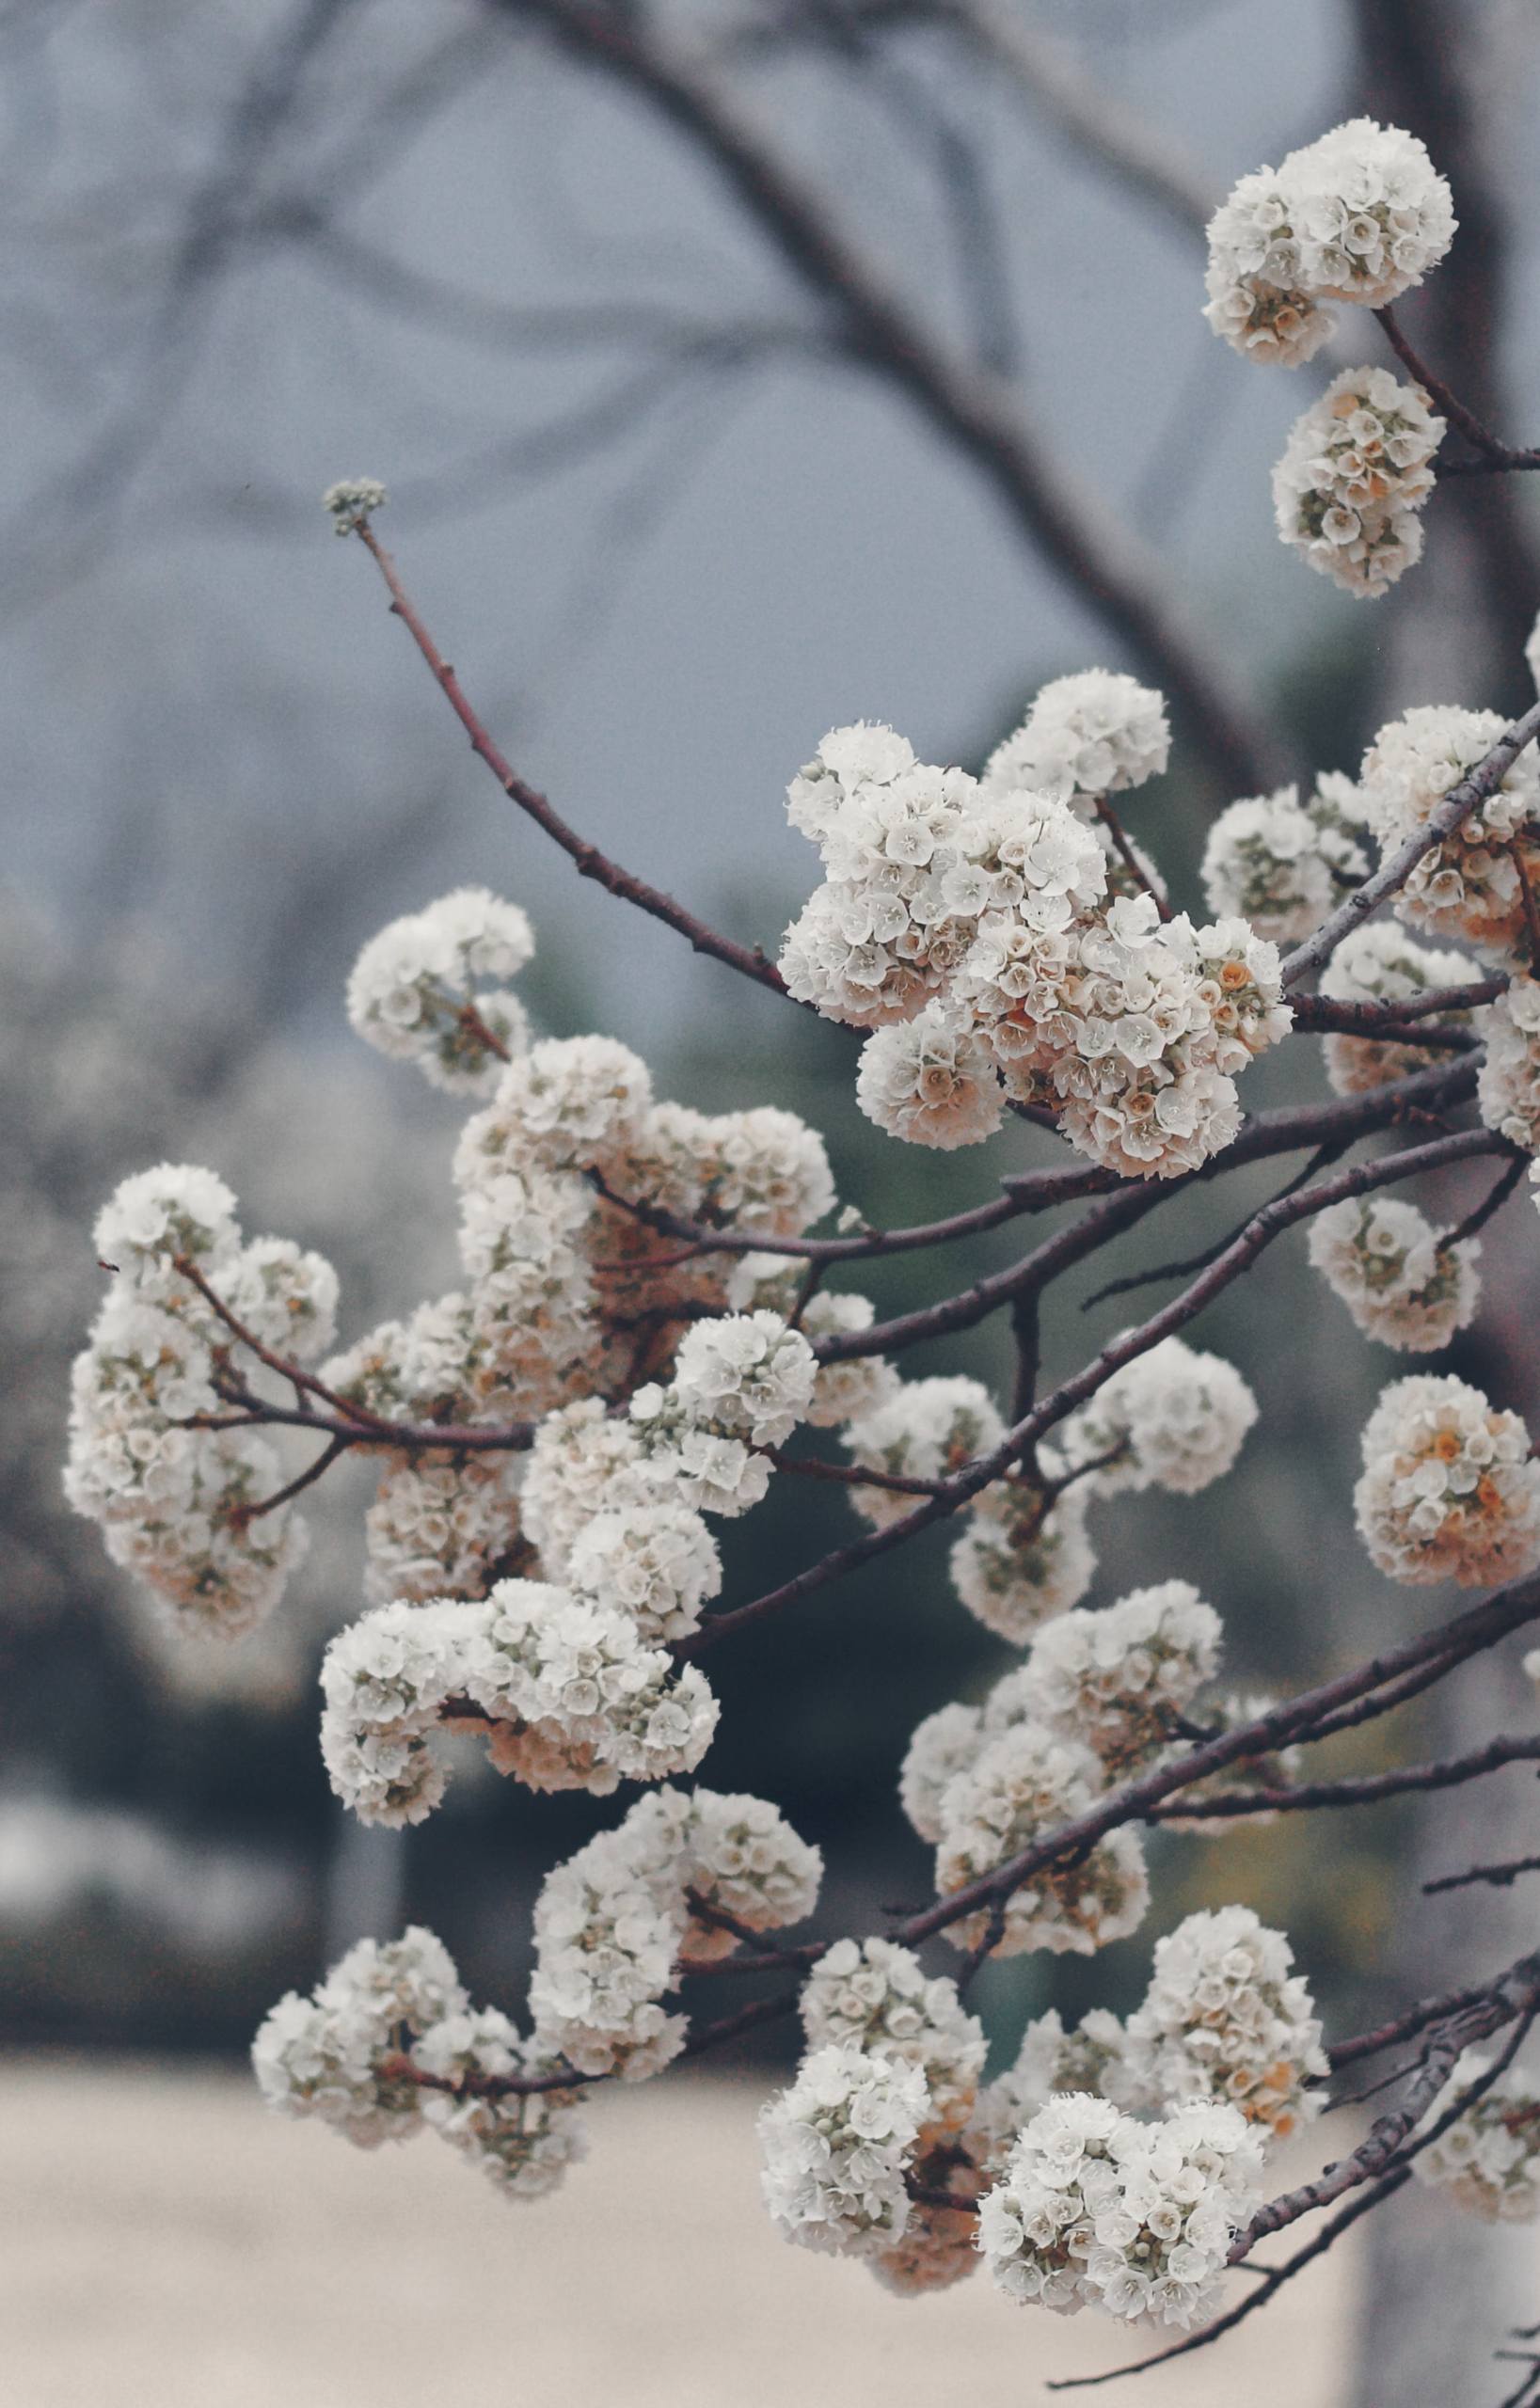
1394,870
1501,1876
589,860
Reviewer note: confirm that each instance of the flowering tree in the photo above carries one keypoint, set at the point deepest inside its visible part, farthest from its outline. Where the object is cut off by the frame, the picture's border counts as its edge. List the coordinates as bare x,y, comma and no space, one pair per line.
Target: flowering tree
649,1315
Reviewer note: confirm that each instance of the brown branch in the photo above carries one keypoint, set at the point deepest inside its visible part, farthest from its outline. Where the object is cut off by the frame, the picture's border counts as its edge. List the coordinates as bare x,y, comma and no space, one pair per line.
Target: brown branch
1130,859
1491,1203
587,858
1394,870
1396,2173
1516,1993
1468,1634
960,1312
412,1437
295,1487
1405,2026
851,1475
1501,1876
1319,1160
1366,1789
299,1378
1025,1191
1495,453
1373,1019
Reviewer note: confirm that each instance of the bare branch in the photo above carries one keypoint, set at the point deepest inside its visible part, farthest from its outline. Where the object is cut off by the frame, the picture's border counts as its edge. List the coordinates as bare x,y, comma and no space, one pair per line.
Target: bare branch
1393,872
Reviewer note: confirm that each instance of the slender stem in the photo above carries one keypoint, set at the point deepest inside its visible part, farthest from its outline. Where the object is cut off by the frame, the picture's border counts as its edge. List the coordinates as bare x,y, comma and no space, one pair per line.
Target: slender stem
1394,870
587,858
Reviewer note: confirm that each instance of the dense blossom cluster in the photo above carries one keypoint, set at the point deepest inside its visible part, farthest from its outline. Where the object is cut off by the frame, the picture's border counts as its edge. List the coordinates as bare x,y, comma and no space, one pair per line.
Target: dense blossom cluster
1449,1489
1023,1783
1359,216
843,1390
1096,2210
834,2148
921,1430
1049,2062
1094,734
1489,2159
876,1996
1119,1680
991,937
1277,863
186,1508
1224,2018
1354,472
571,1696
1472,884
430,988
1171,1418
368,2050
1508,1085
613,1923
351,501
1023,1554
1382,964
1400,1281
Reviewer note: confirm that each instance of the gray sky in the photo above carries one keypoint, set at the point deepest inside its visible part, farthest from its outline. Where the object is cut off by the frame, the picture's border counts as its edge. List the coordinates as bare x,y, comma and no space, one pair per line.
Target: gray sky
217,702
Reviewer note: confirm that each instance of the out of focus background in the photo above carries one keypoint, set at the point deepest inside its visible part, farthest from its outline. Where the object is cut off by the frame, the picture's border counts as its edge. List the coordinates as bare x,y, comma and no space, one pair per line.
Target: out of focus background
736,369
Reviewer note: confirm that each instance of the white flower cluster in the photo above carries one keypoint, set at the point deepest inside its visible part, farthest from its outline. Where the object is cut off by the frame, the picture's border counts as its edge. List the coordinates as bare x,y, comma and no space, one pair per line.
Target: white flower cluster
574,1697
1119,1680
1023,1556
1471,885
1400,1281
740,1385
351,501
608,1926
1489,2159
874,1995
843,1390
1450,1490
615,1923
1131,1028
1380,964
1224,2018
898,904
1508,1085
658,1562
584,1464
931,1081
570,1103
922,1430
1171,1418
182,1508
439,1524
968,926
1049,2062
1094,734
1356,471
1021,1784
430,988
745,1859
389,2043
1095,2209
835,2147
1276,863
748,1376
1361,215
